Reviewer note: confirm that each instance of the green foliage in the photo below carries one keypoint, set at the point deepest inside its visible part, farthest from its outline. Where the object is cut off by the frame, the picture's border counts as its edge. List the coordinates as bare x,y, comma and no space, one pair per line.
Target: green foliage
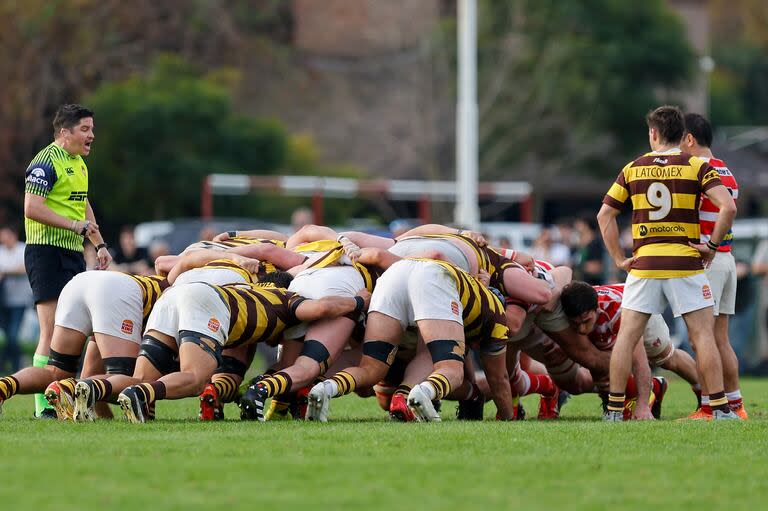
738,88
158,134
576,77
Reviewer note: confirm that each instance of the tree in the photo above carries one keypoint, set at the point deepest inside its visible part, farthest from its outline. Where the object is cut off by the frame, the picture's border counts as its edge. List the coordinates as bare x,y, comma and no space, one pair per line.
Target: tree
158,135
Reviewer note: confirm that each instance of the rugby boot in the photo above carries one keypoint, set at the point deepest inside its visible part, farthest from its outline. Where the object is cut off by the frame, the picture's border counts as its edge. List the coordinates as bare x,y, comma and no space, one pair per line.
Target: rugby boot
211,409
740,411
84,402
319,402
659,391
398,409
299,408
421,405
59,397
470,409
549,405
132,402
252,403
613,416
698,415
719,415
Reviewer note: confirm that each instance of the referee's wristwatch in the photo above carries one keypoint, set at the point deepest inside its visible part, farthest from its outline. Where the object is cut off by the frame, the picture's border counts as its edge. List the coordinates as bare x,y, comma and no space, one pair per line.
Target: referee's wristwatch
100,246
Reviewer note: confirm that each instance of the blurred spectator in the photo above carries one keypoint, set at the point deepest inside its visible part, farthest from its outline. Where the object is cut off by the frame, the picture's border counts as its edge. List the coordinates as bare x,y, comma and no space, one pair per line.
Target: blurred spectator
566,234
588,257
129,257
547,249
207,233
156,249
15,296
760,271
301,217
741,324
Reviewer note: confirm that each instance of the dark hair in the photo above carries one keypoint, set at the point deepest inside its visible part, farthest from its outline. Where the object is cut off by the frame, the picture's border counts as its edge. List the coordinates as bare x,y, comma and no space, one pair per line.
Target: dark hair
668,121
67,116
577,298
279,278
698,126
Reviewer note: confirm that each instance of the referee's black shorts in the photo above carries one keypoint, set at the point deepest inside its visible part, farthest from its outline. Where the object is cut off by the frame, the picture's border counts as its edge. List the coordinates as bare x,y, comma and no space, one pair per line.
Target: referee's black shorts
49,269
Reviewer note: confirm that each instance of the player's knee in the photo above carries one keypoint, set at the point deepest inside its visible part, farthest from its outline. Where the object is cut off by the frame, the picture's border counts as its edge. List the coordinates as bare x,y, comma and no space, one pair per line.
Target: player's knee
160,356
120,365
317,353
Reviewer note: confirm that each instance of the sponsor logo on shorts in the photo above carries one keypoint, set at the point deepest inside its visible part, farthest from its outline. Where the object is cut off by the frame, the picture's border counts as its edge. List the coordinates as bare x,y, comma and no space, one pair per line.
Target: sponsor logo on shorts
127,326
214,325
706,291
455,308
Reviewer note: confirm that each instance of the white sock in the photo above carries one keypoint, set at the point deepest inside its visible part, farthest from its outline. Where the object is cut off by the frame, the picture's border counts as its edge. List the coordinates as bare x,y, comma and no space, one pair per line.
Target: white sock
331,388
733,396
704,400
428,389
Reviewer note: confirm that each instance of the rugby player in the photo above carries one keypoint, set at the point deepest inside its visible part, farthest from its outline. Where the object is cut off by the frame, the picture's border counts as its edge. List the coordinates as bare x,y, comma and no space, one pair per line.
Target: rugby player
194,322
450,309
112,307
721,273
664,187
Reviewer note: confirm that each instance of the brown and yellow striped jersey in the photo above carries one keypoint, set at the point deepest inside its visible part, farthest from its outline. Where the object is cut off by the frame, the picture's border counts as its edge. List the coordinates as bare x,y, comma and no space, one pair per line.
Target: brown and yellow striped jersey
227,264
152,287
484,317
665,189
333,255
239,241
258,312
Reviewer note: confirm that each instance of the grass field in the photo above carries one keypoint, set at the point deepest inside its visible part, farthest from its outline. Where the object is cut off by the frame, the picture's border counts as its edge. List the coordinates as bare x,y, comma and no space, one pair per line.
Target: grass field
362,461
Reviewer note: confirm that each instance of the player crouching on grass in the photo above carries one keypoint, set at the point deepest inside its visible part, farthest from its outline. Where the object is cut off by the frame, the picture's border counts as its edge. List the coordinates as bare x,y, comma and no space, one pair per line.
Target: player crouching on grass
195,321
595,311
450,308
112,307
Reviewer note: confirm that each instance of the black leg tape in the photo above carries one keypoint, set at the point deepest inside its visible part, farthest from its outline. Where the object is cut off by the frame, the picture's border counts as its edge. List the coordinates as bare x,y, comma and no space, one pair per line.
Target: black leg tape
163,357
446,349
208,345
231,365
317,352
120,365
63,361
380,350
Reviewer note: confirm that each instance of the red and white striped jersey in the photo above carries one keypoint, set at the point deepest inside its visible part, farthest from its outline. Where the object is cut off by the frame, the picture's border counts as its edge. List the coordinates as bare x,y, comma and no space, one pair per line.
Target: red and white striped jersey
609,297
708,211
541,271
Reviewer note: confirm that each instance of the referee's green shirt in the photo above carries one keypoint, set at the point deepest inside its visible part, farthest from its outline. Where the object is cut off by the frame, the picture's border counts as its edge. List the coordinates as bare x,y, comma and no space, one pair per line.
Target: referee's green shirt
63,180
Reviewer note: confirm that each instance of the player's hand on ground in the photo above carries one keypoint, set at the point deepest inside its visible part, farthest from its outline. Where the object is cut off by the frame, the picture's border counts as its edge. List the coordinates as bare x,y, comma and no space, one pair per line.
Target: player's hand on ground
104,258
476,237
365,295
642,413
626,264
707,254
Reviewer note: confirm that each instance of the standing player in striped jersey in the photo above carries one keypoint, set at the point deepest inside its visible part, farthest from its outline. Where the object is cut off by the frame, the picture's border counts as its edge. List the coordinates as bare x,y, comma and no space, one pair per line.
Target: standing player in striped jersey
722,271
664,188
112,307
57,217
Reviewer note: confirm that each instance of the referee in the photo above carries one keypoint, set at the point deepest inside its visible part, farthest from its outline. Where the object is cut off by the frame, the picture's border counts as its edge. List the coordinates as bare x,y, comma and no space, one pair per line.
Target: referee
57,217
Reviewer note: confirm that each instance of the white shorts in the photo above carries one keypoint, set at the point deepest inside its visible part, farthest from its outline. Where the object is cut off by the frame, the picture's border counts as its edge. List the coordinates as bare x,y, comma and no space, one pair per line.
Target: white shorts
214,276
555,321
104,302
683,294
316,283
415,247
722,277
410,291
657,341
196,307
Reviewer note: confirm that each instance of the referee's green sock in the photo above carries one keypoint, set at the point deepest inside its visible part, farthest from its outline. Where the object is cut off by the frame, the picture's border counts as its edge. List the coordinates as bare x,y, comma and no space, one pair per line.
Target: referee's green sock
40,402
